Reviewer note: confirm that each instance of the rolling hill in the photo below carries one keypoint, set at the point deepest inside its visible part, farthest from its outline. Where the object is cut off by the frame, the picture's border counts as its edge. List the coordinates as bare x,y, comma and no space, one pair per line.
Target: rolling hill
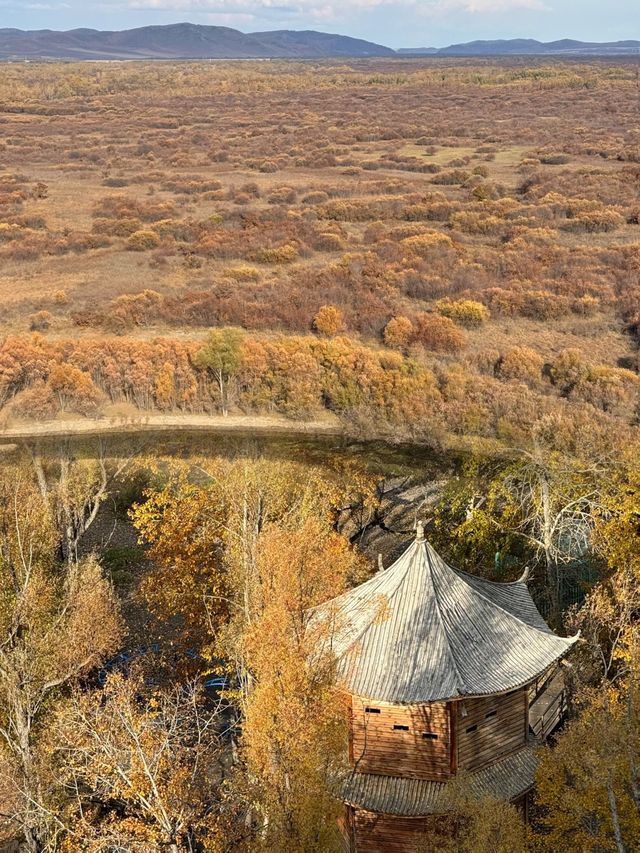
181,41
194,41
529,47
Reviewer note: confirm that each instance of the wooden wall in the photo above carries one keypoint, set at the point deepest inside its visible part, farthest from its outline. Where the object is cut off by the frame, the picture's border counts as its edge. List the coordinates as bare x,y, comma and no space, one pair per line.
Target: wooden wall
346,825
413,741
391,834
491,728
389,739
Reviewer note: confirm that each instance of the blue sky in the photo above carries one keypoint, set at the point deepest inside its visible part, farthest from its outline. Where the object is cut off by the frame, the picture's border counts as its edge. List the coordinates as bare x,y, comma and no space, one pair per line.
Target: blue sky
397,23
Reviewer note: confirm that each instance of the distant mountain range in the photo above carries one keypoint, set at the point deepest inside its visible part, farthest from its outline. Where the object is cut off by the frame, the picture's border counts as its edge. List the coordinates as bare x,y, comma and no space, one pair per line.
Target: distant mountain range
528,47
193,41
181,41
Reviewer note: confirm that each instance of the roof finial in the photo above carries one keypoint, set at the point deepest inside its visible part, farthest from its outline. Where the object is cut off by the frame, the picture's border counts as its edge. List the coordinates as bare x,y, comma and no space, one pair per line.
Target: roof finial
419,531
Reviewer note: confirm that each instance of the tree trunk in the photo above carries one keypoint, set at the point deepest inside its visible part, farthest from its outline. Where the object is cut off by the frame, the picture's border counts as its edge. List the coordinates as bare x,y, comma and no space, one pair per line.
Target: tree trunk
615,819
29,843
547,542
223,396
28,784
40,475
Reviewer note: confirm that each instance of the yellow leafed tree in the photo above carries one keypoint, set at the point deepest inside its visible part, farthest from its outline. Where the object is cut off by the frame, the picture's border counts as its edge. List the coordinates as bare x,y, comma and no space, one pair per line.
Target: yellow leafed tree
57,622
142,767
294,740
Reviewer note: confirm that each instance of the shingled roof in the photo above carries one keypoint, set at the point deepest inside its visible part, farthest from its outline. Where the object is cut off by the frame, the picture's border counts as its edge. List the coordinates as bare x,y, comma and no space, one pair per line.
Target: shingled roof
422,632
507,779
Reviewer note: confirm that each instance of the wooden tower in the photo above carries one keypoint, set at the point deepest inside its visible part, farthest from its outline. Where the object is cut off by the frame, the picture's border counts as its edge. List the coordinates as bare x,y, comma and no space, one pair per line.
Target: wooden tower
439,666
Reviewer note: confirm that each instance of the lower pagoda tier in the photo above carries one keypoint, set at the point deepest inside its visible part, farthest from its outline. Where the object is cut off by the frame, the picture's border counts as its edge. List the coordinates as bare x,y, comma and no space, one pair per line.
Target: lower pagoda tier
507,779
390,814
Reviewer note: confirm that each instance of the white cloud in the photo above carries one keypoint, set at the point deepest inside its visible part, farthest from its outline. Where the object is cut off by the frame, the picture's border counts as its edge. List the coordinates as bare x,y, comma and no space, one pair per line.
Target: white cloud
251,9
277,6
246,11
33,7
486,6
322,8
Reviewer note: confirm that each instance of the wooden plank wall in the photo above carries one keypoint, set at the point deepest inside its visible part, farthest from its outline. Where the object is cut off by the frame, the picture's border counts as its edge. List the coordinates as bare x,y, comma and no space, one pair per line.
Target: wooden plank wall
391,834
493,727
401,740
347,829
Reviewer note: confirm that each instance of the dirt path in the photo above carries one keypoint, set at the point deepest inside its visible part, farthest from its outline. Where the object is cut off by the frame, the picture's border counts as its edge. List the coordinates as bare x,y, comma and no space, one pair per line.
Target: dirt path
171,423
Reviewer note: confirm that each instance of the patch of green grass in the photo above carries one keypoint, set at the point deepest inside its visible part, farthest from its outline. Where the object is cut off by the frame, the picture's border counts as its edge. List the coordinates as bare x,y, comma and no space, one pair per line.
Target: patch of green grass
121,562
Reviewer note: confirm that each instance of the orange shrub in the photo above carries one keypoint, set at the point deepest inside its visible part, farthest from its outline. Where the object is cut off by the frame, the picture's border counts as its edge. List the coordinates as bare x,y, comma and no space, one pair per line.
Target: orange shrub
315,197
126,207
609,388
544,305
282,195
425,245
141,241
465,312
37,403
521,363
243,273
329,242
74,389
438,333
117,227
586,305
136,309
471,222
281,255
398,332
453,176
329,320
568,370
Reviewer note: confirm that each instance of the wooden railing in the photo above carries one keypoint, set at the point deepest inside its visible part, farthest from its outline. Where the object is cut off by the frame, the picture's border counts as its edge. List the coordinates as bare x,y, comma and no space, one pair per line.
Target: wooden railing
551,718
540,684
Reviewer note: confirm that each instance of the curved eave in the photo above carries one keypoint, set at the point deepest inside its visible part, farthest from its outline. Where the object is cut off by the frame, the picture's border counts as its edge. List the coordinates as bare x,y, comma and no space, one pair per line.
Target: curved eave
506,779
424,632
460,696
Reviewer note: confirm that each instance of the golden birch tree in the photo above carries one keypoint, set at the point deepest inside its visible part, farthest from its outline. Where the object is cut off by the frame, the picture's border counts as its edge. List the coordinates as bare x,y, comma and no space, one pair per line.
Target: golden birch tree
143,766
56,623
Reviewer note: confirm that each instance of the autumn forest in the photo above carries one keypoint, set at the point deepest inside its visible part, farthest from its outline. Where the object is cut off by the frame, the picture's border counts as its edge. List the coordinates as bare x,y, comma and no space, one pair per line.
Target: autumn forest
257,320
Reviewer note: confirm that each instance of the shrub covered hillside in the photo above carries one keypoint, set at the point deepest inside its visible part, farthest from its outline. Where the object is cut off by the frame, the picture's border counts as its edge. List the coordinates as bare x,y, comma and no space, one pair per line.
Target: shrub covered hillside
416,247
373,391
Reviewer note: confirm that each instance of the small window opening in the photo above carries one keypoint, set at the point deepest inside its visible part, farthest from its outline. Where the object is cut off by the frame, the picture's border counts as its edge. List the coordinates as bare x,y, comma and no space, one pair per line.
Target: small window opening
429,735
472,729
490,714
401,728
372,710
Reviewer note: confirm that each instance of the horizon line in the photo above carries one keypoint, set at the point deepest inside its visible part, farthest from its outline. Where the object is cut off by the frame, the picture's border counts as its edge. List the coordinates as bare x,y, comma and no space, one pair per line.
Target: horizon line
421,46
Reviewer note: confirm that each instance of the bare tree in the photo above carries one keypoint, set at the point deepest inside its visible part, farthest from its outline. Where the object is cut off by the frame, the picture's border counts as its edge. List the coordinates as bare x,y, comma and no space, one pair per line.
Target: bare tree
144,766
76,487
553,499
55,625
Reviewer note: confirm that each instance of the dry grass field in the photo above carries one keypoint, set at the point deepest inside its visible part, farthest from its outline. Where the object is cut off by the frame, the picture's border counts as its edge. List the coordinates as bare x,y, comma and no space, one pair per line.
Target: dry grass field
150,200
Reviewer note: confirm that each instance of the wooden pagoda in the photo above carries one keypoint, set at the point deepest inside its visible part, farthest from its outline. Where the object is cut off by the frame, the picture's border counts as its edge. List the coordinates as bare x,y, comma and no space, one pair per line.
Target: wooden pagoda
438,666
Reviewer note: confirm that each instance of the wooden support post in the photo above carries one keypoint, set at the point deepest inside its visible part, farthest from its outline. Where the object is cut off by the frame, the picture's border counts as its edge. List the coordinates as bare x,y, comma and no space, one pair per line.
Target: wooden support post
453,735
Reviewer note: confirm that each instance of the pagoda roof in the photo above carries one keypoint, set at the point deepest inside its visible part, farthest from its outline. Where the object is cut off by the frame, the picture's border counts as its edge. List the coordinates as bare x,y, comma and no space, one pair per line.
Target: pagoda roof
506,779
421,631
